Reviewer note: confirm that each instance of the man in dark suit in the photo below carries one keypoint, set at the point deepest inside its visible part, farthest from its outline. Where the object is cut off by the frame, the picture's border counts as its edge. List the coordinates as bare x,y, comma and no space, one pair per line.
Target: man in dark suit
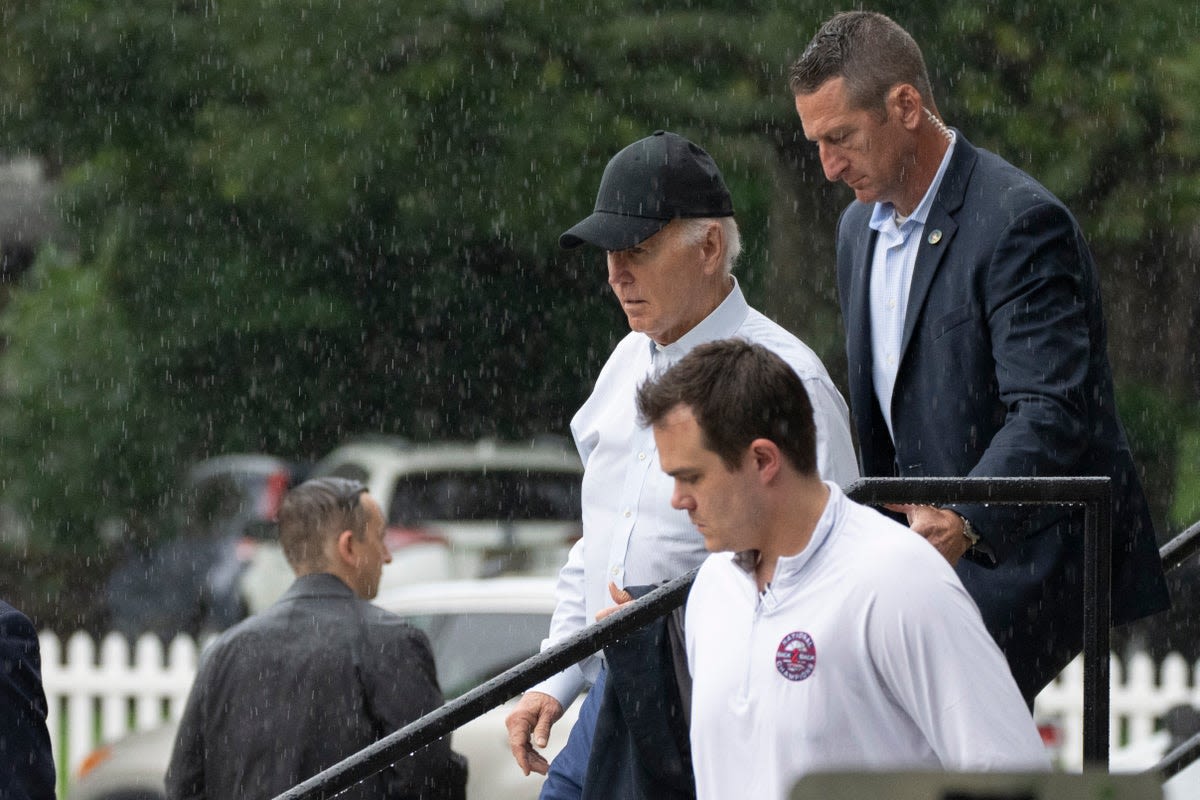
976,342
319,675
26,763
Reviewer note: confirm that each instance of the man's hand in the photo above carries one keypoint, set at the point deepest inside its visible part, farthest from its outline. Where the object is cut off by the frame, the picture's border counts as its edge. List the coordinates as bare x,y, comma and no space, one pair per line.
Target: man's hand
534,714
941,527
619,596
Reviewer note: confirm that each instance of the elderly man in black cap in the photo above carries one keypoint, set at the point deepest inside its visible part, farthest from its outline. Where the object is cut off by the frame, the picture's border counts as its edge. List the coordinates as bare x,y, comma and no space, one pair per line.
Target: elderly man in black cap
665,219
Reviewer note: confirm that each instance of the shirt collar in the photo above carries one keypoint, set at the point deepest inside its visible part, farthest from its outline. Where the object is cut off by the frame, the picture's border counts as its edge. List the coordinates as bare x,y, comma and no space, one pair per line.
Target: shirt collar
788,568
722,323
883,216
318,584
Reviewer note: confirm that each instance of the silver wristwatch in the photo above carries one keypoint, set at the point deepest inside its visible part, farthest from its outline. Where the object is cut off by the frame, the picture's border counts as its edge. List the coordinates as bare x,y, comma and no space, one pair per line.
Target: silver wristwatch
969,531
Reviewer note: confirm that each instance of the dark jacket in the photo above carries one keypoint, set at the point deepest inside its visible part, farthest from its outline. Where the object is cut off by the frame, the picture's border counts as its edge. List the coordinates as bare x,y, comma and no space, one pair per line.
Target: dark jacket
640,749
318,676
26,763
1004,371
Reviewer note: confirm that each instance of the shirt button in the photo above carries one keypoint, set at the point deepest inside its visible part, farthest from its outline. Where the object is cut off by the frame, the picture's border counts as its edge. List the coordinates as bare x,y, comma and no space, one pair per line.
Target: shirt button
891,304
641,456
628,513
616,570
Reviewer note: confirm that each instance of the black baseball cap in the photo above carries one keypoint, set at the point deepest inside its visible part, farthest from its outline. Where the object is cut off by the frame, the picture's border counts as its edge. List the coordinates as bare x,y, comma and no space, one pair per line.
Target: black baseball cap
645,186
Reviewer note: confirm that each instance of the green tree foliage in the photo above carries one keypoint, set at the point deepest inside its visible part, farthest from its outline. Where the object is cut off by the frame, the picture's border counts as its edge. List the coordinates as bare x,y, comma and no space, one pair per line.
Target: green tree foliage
294,221
72,407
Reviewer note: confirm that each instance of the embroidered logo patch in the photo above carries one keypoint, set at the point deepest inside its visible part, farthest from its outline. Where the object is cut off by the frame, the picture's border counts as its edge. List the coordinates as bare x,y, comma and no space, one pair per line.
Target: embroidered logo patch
796,656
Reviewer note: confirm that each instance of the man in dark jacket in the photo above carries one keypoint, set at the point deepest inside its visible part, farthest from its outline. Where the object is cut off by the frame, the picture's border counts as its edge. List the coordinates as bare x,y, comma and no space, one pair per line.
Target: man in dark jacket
318,676
26,763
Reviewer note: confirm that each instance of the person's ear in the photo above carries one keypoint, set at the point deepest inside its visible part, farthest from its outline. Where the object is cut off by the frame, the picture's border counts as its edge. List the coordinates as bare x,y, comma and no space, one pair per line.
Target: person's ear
712,248
345,548
767,459
905,102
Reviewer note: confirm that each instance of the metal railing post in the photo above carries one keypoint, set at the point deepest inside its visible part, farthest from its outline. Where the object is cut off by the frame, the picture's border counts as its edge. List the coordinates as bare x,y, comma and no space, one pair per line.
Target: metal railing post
1095,495
1097,619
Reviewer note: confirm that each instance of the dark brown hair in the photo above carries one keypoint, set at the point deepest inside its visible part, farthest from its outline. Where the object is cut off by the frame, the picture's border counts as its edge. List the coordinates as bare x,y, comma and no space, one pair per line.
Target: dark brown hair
315,511
870,52
738,391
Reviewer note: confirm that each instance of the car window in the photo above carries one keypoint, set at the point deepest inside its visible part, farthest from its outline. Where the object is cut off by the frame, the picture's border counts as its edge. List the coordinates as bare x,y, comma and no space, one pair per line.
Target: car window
478,496
238,503
222,504
472,648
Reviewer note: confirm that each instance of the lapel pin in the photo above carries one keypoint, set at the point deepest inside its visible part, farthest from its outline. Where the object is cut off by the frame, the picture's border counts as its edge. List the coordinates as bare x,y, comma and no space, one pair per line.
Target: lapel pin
935,236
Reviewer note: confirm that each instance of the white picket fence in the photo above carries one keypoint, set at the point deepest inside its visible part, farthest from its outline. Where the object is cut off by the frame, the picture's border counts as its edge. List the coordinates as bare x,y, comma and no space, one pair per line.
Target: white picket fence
109,691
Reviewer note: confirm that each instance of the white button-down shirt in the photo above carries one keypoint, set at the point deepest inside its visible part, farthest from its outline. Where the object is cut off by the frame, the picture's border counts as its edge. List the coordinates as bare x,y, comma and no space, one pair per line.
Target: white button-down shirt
631,535
892,267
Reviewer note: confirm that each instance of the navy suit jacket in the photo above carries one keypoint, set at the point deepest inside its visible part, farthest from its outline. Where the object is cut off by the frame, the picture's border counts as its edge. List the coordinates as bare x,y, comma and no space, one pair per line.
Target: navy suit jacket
26,763
1004,372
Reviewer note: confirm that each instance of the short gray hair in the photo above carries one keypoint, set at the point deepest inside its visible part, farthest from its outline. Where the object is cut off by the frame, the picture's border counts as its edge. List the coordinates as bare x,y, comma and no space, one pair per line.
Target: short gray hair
694,229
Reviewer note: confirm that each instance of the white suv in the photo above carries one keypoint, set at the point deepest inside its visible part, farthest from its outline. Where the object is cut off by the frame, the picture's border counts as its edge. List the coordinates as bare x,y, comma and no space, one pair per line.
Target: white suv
454,510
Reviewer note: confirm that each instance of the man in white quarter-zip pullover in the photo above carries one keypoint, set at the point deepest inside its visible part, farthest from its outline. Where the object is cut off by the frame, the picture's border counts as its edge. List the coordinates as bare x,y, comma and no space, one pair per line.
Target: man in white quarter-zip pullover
821,635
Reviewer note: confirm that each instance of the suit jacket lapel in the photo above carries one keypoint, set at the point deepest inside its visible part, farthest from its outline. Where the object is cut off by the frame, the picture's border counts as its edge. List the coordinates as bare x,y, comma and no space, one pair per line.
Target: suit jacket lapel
858,335
940,228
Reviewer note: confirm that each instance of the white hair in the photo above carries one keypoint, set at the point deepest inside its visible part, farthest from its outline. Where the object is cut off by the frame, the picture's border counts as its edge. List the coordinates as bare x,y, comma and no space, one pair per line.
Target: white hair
694,229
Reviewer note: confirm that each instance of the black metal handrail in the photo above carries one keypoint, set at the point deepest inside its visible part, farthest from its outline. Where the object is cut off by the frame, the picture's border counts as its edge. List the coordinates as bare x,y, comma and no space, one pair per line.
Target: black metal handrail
1093,493
1178,759
1174,554
1181,548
